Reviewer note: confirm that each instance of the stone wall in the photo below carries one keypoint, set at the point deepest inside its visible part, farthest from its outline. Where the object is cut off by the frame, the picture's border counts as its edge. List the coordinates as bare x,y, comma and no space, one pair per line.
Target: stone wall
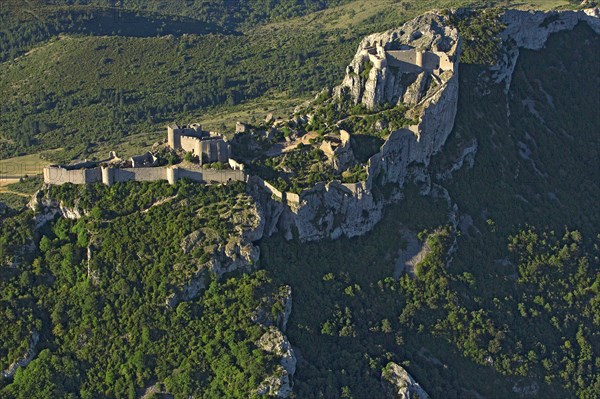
256,181
222,176
272,190
138,174
189,144
58,175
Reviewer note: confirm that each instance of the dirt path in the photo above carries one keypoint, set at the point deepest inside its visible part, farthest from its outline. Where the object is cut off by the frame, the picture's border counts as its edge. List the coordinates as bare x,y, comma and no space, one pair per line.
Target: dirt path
160,202
280,148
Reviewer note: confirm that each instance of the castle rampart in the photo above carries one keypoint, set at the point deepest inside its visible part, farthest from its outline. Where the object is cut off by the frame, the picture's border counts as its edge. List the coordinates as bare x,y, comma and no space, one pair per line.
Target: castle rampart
208,146
58,175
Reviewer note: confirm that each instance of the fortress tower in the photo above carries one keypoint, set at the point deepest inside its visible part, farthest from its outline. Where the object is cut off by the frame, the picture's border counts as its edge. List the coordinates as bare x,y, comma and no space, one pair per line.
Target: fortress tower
209,146
172,173
108,175
174,136
419,58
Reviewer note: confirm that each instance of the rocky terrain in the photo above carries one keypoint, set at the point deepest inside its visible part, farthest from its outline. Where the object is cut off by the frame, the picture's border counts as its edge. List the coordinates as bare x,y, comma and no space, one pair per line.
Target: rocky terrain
332,210
530,30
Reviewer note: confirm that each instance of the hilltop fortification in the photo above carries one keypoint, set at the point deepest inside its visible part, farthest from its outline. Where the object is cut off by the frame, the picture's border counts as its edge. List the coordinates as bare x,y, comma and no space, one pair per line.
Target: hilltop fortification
208,147
395,66
415,65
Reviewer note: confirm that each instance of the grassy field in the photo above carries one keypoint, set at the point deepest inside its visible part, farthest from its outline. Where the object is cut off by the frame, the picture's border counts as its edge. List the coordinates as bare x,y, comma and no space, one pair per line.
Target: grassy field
26,165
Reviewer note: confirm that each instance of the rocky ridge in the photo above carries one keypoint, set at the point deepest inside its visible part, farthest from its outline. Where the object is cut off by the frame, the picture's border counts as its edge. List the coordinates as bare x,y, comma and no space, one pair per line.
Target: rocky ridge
530,30
26,359
274,313
331,210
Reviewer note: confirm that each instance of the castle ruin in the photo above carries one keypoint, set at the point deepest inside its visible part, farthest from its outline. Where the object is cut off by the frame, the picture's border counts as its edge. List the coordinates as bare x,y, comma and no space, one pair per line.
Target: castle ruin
207,146
408,59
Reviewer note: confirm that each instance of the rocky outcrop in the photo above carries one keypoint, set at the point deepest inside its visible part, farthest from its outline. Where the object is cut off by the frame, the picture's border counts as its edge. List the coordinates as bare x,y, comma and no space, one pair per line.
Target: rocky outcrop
382,71
338,151
275,310
278,384
273,313
47,208
398,384
415,92
26,359
530,30
238,253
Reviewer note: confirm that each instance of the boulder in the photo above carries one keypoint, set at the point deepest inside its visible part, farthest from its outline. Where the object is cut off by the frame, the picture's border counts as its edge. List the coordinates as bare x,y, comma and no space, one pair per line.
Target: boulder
398,384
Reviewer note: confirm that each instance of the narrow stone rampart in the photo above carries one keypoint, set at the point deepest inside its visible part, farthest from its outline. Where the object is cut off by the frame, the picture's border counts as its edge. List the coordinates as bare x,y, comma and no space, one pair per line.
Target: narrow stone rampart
58,175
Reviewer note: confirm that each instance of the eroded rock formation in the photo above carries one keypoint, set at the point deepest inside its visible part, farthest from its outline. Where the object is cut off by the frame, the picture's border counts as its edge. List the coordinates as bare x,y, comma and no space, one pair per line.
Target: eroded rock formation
398,65
279,384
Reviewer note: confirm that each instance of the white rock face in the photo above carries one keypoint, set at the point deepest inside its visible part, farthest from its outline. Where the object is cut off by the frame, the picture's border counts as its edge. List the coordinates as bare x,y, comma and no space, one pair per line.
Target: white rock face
47,208
236,254
334,209
530,30
278,384
399,384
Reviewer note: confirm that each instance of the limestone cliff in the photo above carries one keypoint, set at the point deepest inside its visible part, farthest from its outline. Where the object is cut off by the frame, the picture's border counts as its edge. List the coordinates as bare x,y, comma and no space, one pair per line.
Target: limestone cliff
46,208
396,66
238,253
417,65
530,30
273,313
279,384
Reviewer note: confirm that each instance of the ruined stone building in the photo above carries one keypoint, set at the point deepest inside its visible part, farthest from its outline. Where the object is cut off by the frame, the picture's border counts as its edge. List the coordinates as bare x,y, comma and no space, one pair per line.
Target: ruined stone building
408,59
338,150
208,146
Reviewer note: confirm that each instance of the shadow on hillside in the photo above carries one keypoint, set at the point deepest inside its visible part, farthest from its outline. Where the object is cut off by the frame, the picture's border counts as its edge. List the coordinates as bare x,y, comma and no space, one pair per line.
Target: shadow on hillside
107,22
